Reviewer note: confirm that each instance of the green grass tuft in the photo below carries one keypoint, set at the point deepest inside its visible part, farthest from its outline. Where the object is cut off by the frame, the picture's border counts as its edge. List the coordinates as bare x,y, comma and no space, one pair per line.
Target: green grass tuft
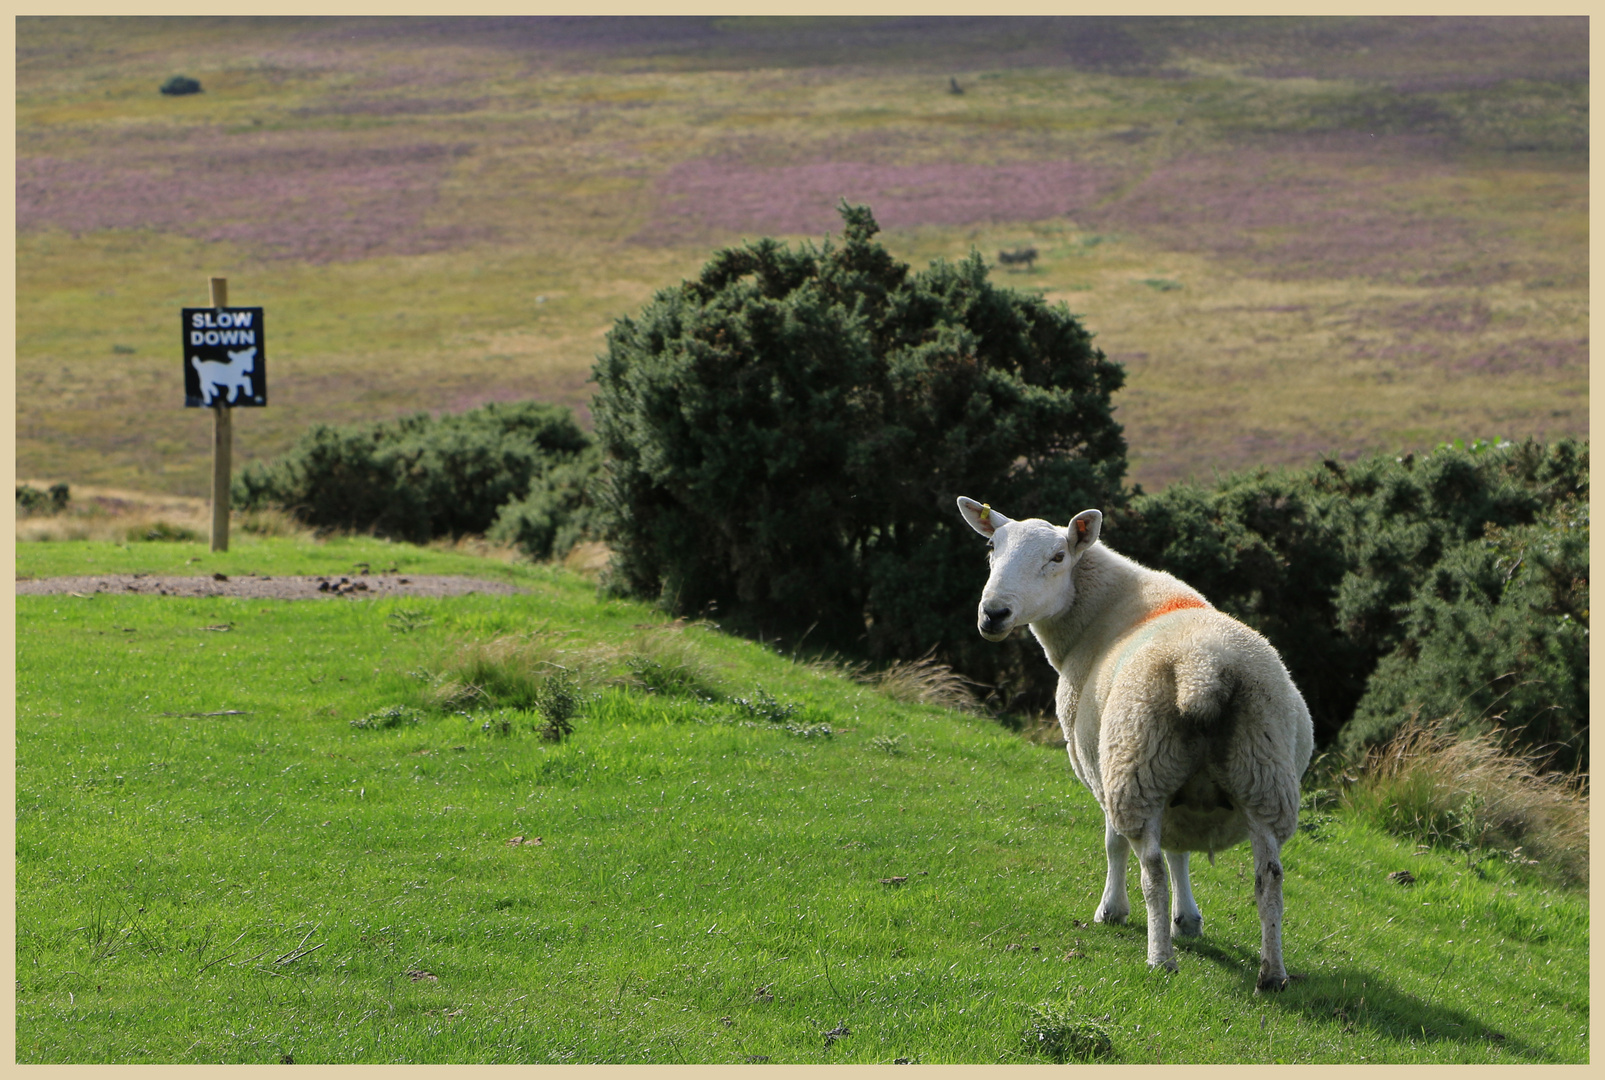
1058,1034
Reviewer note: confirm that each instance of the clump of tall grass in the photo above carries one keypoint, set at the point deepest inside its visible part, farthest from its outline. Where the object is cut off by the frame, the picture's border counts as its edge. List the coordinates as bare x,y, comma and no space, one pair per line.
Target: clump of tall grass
663,662
472,544
1042,729
270,521
517,671
925,681
1474,794
588,559
515,677
506,672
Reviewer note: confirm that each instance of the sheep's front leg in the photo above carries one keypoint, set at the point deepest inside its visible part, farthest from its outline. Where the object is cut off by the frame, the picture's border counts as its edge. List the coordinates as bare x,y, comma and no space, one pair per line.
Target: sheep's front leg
1156,897
1268,895
1114,907
1188,920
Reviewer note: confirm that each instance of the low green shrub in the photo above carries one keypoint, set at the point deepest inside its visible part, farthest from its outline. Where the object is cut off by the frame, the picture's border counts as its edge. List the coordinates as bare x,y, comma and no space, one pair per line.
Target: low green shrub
763,705
419,477
559,511
557,699
179,85
394,716
895,745
31,501
1496,635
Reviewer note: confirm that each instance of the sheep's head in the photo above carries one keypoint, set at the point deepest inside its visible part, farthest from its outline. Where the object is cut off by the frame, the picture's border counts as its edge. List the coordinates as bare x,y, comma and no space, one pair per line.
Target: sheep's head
1031,562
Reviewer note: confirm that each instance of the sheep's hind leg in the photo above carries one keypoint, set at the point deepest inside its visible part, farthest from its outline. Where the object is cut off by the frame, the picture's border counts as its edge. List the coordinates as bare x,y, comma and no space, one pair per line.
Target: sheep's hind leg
1114,907
1156,897
1268,895
1188,920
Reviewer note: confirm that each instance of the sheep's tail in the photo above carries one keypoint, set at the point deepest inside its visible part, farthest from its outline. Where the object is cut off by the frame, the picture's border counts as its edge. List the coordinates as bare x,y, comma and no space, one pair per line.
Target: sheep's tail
1206,696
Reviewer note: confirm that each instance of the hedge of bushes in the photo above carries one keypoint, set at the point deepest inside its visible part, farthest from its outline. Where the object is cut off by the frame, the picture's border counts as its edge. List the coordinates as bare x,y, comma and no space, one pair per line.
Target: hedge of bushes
504,469
1454,584
780,441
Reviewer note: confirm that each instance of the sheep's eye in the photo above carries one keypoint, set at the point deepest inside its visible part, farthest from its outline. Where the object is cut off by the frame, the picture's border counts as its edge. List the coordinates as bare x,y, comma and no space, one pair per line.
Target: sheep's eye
1058,556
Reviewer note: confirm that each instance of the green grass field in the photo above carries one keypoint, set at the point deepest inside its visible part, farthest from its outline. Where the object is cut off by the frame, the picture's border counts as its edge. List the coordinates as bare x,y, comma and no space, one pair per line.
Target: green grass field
215,865
1300,237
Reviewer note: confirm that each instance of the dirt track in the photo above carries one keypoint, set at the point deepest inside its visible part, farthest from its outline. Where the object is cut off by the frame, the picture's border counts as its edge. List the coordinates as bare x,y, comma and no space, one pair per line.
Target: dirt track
357,587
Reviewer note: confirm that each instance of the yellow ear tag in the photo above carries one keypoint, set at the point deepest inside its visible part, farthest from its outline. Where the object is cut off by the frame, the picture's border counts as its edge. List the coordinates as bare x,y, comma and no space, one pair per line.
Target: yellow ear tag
986,513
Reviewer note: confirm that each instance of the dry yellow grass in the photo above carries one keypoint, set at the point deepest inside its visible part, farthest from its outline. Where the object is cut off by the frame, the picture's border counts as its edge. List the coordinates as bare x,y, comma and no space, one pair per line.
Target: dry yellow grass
588,559
1473,793
116,514
925,681
120,515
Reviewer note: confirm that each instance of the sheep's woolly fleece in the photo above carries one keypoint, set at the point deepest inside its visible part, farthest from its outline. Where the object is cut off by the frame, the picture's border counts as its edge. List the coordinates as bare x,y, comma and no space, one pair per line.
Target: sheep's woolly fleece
251,586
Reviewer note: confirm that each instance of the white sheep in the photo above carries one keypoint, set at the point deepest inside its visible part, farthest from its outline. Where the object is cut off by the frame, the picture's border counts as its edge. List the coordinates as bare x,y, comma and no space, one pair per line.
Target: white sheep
1182,721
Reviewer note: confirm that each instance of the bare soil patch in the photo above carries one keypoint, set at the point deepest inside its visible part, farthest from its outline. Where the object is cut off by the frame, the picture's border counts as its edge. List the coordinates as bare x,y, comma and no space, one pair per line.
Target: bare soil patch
322,587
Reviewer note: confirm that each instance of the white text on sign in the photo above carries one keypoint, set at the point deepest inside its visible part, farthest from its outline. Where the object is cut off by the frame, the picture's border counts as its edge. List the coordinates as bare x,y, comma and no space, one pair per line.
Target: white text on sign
205,328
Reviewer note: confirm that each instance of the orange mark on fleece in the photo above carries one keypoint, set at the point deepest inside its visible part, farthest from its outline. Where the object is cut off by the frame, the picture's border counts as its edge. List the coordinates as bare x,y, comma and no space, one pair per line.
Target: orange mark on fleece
1178,603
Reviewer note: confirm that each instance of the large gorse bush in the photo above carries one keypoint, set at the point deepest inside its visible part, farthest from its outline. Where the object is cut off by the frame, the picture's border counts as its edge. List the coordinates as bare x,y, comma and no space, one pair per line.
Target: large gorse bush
785,436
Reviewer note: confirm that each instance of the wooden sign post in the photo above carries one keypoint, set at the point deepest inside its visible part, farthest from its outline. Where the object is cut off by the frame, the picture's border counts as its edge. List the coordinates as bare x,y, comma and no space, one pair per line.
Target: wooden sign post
225,366
222,444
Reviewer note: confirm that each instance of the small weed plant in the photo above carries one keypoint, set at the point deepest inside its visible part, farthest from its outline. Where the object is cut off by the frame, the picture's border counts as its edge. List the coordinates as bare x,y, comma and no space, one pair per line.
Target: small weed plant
1059,1034
393,717
557,700
763,705
890,744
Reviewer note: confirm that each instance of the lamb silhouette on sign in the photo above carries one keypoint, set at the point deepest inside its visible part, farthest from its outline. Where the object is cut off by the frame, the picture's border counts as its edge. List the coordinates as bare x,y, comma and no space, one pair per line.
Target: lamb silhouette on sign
234,376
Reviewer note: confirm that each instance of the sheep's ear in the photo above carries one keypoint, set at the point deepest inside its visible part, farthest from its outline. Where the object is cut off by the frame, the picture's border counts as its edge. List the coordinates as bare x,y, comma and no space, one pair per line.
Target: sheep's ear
1083,530
982,518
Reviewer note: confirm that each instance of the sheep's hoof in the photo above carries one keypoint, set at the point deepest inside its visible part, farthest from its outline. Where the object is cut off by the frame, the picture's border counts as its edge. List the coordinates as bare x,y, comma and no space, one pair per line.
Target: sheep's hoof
1168,964
1106,916
1189,925
1276,983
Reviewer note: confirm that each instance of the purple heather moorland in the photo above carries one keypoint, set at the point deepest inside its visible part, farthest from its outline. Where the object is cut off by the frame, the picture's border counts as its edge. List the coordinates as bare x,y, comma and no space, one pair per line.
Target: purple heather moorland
709,194
315,198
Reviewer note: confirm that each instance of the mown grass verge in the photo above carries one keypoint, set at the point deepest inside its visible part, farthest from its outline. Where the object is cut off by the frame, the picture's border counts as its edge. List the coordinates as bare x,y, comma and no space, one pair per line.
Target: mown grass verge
214,864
